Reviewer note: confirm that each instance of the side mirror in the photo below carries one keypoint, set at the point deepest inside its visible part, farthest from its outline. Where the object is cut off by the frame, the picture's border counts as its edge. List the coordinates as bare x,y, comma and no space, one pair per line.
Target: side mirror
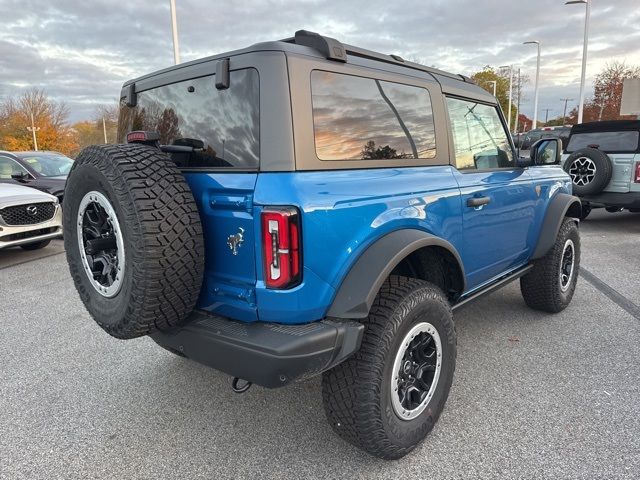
20,176
546,151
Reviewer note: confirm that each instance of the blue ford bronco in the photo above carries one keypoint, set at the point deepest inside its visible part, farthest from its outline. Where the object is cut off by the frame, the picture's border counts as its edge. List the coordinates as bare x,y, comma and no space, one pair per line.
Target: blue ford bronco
304,207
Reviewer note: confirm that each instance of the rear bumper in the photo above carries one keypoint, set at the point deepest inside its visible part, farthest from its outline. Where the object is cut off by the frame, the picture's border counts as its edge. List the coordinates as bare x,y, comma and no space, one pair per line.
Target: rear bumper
611,199
267,354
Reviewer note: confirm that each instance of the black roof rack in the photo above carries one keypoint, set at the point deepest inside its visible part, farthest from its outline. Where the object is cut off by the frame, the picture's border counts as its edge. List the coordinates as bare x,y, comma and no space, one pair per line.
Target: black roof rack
332,49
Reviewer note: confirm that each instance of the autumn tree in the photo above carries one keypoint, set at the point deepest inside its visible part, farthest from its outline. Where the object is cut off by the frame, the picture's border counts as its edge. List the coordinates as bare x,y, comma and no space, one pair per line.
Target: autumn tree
607,94
92,132
49,117
488,75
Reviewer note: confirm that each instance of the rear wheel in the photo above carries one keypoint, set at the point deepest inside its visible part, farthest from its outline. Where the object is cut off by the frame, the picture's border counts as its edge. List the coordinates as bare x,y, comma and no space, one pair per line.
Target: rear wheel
388,396
133,239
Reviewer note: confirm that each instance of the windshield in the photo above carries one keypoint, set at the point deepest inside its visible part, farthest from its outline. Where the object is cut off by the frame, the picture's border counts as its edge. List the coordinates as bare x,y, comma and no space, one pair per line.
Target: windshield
49,165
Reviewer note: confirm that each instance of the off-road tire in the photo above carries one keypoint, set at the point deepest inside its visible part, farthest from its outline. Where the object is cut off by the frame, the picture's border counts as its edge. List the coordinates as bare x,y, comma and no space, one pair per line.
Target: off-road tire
604,170
162,237
35,245
541,287
357,393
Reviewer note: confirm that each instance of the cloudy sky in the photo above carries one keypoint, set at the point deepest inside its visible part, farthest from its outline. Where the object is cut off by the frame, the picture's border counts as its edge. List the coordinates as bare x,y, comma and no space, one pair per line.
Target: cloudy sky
81,51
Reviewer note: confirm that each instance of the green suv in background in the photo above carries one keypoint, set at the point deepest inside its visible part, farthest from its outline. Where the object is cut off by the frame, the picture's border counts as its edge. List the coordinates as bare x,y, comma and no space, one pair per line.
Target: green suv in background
603,161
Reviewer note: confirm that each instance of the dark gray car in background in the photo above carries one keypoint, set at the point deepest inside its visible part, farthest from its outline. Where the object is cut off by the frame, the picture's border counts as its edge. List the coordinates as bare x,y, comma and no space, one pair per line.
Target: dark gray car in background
45,171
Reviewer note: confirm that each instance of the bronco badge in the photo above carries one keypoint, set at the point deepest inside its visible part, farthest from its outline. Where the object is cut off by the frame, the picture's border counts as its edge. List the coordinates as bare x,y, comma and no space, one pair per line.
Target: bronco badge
235,241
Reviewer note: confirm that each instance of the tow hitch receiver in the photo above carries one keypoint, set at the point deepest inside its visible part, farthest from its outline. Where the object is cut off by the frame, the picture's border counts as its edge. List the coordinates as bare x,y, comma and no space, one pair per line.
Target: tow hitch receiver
240,388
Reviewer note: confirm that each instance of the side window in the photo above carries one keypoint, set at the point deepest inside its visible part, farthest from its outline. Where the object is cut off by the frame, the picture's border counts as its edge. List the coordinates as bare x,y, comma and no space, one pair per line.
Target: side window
358,118
222,126
479,137
10,167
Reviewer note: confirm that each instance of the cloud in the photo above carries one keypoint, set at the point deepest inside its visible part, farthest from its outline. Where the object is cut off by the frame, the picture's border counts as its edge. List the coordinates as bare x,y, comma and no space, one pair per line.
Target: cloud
81,52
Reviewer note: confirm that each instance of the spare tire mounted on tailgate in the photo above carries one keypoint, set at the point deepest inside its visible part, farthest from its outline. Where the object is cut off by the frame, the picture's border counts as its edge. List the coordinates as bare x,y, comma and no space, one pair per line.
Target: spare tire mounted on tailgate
590,170
136,253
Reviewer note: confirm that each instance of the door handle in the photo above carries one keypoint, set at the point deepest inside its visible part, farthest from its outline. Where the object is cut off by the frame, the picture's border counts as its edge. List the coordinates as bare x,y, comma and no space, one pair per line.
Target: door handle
476,202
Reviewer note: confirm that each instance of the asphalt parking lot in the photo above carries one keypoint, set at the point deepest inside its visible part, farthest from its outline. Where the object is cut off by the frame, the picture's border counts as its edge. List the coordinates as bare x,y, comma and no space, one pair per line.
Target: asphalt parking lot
534,396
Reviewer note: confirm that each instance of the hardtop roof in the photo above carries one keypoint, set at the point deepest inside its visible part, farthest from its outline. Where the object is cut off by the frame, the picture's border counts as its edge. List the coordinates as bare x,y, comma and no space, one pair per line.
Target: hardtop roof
606,126
289,45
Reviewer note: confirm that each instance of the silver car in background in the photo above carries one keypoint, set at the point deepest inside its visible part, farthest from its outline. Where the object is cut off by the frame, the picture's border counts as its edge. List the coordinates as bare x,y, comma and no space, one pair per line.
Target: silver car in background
28,217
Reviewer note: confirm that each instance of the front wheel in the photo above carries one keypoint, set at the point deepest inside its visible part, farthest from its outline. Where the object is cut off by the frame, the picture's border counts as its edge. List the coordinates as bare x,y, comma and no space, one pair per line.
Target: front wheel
550,285
388,396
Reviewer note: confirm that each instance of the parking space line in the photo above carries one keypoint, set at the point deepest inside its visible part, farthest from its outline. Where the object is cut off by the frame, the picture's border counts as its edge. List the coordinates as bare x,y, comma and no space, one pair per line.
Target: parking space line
31,260
615,296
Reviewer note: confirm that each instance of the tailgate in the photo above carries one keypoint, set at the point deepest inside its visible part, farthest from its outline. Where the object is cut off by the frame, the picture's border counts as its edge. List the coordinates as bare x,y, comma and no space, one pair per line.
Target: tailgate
225,202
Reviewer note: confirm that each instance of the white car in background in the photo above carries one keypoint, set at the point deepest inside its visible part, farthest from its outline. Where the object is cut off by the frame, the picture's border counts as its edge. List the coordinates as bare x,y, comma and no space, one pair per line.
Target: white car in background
28,217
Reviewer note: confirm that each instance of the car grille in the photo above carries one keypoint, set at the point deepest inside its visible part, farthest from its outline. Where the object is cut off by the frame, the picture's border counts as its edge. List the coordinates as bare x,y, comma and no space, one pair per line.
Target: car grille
28,214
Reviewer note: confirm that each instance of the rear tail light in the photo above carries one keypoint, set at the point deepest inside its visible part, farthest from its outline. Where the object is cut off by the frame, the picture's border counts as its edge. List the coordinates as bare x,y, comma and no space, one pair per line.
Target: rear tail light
637,175
281,247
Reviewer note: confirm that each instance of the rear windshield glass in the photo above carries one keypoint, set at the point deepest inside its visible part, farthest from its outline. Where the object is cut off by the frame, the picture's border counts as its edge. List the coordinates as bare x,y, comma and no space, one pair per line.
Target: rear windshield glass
358,118
625,141
222,125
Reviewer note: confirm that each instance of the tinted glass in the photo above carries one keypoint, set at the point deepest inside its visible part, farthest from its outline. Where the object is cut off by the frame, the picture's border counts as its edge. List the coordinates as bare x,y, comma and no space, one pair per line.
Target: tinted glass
9,167
49,165
479,137
362,118
606,141
227,122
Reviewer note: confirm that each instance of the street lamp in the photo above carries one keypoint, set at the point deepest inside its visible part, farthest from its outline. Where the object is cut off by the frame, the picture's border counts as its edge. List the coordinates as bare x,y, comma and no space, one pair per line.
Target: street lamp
510,67
584,52
174,29
494,86
535,95
33,129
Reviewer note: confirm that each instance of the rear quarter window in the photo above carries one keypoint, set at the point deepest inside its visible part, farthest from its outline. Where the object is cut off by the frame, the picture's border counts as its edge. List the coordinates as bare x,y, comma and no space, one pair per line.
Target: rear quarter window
357,118
227,122
619,142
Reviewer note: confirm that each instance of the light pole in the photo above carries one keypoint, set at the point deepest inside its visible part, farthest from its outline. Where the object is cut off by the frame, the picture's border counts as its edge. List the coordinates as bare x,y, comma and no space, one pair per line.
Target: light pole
33,129
584,52
494,86
535,95
104,130
519,92
564,112
546,114
510,67
174,29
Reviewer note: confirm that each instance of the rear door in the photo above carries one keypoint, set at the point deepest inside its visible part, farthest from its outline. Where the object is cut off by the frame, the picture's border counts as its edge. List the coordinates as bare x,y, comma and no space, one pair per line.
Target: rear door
497,197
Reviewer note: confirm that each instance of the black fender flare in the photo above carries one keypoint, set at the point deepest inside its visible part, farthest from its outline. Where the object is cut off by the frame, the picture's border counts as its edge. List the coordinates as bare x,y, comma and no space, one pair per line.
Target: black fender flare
361,285
561,206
